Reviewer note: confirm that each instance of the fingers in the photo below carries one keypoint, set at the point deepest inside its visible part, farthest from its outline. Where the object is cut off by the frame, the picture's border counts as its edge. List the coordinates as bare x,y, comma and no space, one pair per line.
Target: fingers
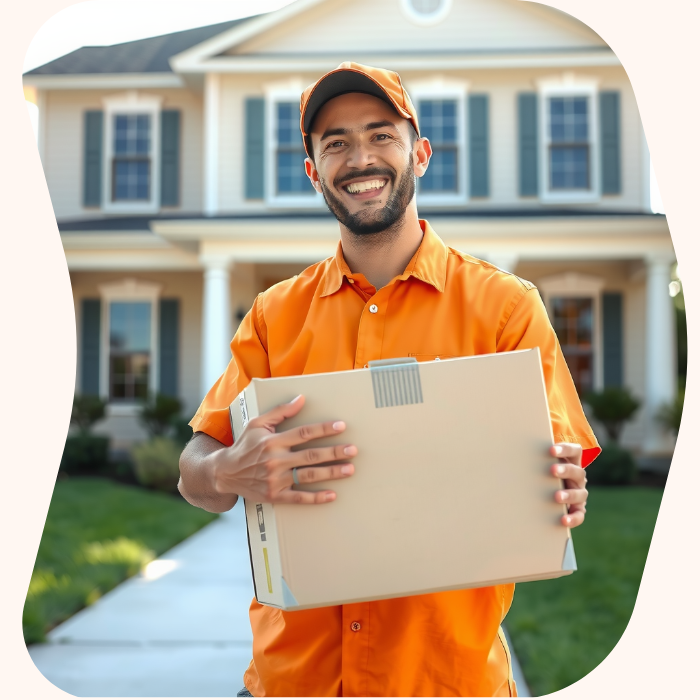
276,415
305,497
574,475
571,496
310,475
573,519
305,433
569,451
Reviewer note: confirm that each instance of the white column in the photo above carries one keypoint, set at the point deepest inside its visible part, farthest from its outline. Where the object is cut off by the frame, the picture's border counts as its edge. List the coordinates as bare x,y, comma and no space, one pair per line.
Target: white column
660,369
216,323
504,260
211,143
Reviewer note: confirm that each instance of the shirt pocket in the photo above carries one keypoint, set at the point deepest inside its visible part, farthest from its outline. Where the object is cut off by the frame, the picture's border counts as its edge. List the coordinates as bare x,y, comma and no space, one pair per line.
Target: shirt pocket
430,356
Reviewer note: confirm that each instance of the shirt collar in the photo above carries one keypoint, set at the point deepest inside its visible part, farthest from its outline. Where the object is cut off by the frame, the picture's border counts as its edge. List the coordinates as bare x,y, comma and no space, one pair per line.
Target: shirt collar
429,264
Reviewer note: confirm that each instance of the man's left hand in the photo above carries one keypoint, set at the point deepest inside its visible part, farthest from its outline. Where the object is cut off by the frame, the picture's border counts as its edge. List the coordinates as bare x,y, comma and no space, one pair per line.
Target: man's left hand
574,493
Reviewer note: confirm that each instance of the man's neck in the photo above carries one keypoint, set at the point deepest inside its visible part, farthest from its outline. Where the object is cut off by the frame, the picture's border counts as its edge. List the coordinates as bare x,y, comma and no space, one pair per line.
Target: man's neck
382,256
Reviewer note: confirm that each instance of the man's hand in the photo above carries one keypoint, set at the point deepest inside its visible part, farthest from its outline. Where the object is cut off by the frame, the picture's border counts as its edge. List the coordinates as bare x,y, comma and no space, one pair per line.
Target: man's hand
569,469
259,465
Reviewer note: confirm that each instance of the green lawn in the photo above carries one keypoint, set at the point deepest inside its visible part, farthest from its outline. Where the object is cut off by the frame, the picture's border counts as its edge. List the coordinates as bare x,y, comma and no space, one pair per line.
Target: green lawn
98,533
563,628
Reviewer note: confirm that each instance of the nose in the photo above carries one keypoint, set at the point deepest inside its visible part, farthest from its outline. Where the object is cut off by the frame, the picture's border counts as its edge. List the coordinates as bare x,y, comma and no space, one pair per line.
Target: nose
360,156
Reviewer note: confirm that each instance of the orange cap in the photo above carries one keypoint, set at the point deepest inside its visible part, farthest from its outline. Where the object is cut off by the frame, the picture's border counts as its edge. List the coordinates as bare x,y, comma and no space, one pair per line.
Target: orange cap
353,77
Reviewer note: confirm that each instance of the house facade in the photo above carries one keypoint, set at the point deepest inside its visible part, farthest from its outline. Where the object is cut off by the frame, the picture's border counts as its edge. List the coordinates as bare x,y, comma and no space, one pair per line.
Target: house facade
175,169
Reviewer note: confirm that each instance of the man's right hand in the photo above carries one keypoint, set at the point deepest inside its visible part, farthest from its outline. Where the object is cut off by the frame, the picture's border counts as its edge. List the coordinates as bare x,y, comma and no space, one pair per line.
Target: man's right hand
259,465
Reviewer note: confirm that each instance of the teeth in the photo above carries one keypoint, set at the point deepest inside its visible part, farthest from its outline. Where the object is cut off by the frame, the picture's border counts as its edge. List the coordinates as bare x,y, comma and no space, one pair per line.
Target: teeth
356,187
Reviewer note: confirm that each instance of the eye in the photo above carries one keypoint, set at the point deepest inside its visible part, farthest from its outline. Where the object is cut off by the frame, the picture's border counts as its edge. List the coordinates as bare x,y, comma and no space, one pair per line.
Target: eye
382,137
335,144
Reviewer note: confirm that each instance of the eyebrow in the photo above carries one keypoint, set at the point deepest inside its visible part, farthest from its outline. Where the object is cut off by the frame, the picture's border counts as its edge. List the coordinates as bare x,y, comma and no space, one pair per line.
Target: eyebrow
367,127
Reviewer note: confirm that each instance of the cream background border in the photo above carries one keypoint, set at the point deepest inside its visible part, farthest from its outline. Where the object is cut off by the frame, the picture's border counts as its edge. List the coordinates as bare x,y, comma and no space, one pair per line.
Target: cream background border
656,42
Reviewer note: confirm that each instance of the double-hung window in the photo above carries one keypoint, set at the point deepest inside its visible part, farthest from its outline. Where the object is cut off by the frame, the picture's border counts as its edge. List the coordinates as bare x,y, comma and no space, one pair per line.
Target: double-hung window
438,121
131,160
572,319
130,337
290,179
569,146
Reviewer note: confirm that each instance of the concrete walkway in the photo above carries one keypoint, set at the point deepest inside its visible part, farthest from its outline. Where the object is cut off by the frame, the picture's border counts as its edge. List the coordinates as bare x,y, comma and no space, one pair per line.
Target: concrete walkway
181,629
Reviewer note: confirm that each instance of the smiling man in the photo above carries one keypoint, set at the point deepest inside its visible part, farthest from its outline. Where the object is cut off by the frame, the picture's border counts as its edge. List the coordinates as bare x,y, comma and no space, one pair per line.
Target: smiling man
392,289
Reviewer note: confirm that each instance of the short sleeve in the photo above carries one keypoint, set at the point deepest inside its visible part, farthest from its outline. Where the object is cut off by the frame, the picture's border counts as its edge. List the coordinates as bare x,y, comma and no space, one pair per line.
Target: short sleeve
528,327
249,359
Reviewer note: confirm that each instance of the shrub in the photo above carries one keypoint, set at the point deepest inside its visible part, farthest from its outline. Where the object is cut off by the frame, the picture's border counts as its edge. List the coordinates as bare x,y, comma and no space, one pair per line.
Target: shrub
85,453
615,466
181,431
670,415
612,407
87,410
158,413
157,463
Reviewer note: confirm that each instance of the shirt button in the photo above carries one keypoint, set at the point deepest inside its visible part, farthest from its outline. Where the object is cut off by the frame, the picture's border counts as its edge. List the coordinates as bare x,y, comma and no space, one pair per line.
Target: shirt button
355,626
373,309
351,281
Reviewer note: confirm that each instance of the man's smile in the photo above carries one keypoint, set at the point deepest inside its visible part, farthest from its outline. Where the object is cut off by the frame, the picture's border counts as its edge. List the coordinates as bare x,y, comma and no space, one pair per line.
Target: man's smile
366,188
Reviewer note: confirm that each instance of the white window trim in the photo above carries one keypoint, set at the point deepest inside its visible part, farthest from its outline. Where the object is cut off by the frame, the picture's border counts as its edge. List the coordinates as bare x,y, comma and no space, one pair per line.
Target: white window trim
569,85
576,285
440,89
273,96
128,290
426,20
131,102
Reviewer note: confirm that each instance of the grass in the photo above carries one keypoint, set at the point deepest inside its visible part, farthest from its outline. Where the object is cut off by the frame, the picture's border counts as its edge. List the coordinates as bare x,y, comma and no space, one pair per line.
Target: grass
98,533
563,628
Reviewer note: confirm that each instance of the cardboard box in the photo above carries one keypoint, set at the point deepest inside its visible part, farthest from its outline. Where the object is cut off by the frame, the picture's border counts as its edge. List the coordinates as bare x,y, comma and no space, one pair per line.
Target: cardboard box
451,490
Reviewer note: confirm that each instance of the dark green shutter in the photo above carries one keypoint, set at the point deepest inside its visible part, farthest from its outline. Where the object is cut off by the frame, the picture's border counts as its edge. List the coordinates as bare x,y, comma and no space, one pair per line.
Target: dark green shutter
90,347
169,341
170,158
612,339
255,148
479,145
527,144
92,159
610,142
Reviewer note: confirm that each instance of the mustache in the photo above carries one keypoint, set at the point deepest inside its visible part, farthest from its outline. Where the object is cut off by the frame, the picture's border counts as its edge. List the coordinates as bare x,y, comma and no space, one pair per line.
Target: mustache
368,172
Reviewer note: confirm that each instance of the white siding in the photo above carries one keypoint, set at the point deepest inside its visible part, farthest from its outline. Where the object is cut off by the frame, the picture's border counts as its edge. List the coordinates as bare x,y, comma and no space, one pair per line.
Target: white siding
381,26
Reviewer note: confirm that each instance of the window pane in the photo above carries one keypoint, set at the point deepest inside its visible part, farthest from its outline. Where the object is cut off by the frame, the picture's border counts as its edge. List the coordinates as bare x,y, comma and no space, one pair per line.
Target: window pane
438,121
568,119
132,179
568,168
441,175
288,132
130,326
132,134
572,319
291,176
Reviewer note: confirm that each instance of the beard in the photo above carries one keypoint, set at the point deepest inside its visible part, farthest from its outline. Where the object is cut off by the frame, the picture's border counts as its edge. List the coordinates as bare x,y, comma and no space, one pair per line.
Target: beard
374,220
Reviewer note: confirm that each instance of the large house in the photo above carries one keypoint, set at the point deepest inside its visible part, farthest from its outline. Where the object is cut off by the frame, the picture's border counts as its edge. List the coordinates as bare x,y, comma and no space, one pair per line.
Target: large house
175,170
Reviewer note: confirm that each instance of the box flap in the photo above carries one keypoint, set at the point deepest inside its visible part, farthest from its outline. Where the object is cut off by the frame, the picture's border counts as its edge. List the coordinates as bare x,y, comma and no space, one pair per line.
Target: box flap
289,600
569,563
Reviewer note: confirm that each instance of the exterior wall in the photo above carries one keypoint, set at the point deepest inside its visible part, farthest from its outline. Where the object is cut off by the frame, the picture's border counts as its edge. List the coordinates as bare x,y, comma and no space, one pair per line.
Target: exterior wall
502,86
63,148
471,24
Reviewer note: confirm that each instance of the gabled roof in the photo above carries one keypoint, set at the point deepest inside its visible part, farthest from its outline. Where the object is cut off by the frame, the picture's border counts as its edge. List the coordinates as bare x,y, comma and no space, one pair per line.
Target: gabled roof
143,56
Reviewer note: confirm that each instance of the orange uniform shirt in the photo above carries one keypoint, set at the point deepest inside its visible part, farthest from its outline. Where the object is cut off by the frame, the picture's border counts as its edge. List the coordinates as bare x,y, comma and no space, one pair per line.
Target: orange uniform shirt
445,304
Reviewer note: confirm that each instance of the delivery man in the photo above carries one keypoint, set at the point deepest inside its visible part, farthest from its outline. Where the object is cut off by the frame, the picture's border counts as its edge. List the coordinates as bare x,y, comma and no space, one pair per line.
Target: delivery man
392,289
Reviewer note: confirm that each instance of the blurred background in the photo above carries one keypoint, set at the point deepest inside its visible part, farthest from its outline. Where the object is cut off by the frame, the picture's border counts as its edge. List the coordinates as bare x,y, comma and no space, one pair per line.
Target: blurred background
168,133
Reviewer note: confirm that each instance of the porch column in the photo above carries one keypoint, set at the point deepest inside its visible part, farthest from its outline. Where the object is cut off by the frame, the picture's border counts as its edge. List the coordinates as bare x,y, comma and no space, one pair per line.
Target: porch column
660,379
216,322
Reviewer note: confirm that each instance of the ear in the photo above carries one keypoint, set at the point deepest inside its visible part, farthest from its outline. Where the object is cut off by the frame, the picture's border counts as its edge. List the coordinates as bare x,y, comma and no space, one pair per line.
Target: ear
422,151
312,174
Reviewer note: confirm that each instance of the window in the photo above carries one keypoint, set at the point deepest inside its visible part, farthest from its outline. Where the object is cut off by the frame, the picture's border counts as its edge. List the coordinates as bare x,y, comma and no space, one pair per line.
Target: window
569,151
290,176
568,126
129,350
131,162
572,319
438,122
426,12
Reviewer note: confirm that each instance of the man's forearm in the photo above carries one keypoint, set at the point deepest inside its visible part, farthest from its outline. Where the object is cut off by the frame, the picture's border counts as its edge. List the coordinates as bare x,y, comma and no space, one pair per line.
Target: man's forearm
197,475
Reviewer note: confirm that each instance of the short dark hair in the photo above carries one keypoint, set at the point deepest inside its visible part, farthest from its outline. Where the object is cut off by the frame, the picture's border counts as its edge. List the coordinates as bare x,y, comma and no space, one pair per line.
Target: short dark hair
310,147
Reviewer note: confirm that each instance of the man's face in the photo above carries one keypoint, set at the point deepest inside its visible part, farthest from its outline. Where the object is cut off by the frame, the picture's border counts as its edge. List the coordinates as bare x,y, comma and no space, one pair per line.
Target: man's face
363,162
